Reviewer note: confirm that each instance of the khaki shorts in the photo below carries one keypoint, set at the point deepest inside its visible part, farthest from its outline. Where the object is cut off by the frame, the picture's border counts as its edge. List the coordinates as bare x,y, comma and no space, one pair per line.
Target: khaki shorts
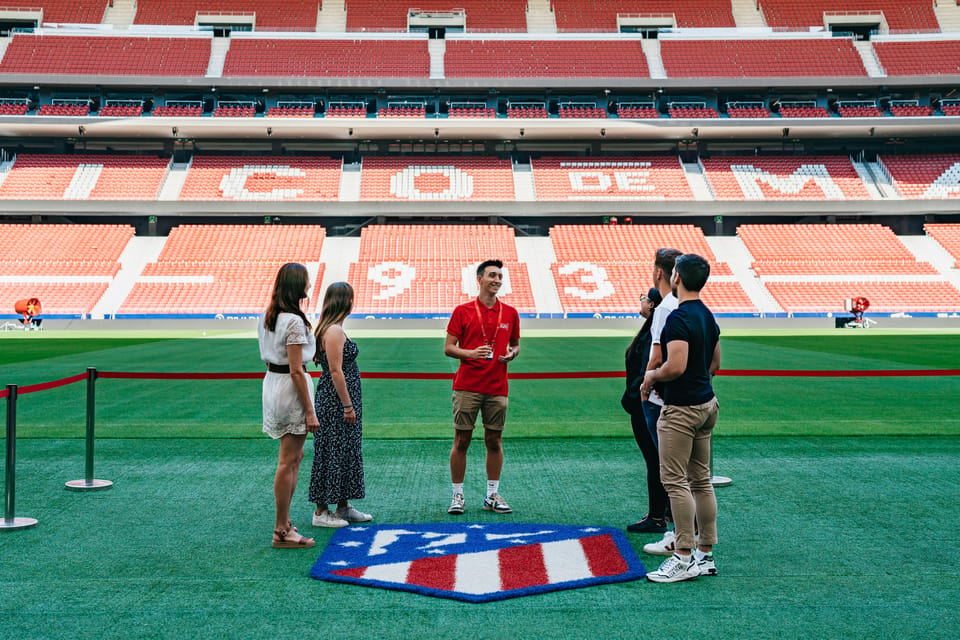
466,405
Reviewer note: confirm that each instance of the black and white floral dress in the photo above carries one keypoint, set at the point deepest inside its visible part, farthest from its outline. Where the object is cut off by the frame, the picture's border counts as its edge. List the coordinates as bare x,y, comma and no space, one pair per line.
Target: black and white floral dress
337,473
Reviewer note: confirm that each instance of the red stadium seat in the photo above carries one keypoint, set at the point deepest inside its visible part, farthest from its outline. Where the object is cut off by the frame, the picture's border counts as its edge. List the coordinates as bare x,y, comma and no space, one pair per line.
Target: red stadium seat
207,269
601,15
429,269
778,57
428,178
924,177
328,58
829,250
605,269
788,178
545,59
262,178
614,178
84,177
107,55
481,15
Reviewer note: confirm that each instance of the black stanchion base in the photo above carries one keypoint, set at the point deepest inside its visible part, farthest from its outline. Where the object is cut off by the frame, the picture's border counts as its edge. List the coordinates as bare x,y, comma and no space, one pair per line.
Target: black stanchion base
88,485
15,524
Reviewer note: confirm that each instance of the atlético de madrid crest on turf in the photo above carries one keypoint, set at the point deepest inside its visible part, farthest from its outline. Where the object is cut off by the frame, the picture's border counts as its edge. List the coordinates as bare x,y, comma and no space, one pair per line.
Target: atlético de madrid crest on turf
477,562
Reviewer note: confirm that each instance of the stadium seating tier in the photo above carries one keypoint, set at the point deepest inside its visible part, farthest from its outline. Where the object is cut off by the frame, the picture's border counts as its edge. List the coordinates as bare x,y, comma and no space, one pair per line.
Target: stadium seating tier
736,58
436,178
788,178
613,178
262,178
601,15
106,55
328,58
545,59
901,15
84,177
270,15
480,15
933,176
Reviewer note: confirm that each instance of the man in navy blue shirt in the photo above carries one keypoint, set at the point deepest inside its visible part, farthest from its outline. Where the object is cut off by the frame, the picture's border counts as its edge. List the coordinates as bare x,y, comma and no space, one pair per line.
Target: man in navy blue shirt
690,346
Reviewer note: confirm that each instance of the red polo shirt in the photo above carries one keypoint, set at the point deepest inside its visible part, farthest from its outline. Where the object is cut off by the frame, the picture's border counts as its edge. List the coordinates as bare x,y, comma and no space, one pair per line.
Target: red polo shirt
478,375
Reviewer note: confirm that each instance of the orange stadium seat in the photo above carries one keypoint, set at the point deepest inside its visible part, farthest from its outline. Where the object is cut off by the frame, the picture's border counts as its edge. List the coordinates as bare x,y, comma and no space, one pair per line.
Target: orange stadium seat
884,297
613,178
271,15
780,57
601,15
429,178
36,256
65,11
210,269
605,269
266,178
84,177
107,55
428,269
948,235
328,58
933,176
480,15
901,15
829,249
545,59
788,178
58,298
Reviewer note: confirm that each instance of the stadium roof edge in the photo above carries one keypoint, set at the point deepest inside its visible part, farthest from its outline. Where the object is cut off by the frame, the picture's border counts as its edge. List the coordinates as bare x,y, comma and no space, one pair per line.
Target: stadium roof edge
493,129
557,85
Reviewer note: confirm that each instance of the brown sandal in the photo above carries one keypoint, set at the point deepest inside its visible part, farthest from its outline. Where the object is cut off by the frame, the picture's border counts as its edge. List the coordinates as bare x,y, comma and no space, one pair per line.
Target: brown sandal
284,543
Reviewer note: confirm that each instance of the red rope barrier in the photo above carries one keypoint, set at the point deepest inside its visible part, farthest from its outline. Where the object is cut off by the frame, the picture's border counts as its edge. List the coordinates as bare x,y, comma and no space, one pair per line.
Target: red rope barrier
553,375
43,386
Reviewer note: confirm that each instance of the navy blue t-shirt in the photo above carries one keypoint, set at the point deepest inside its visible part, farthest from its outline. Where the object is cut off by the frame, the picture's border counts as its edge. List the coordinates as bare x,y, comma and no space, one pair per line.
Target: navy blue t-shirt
692,323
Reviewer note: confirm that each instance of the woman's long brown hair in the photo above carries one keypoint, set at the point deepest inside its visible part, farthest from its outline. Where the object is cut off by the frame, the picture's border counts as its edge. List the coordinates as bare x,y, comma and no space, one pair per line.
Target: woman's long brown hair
289,288
337,305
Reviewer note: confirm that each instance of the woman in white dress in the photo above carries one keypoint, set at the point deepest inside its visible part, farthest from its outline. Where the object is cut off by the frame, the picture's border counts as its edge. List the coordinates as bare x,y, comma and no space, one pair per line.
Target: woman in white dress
286,345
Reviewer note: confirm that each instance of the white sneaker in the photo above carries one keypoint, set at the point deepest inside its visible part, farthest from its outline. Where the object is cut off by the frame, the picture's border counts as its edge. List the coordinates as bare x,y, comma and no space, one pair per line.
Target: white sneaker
664,547
328,519
350,514
456,505
706,565
674,569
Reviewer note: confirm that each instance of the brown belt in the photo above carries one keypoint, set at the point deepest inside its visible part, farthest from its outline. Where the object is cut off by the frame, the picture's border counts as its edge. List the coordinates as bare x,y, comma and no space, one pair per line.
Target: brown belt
280,368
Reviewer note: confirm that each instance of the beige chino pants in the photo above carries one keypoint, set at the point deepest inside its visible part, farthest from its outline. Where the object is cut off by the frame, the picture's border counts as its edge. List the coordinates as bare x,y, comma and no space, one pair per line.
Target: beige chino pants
684,437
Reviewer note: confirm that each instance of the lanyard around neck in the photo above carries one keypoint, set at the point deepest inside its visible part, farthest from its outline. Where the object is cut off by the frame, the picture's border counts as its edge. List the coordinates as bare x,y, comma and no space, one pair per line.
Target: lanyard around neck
483,330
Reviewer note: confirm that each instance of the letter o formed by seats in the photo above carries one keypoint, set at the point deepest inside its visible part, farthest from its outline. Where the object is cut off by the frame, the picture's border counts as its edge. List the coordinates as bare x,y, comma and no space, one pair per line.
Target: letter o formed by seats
234,184
403,183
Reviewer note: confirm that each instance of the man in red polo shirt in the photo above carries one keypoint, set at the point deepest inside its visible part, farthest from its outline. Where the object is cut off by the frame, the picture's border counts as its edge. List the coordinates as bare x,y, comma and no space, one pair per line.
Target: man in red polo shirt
484,334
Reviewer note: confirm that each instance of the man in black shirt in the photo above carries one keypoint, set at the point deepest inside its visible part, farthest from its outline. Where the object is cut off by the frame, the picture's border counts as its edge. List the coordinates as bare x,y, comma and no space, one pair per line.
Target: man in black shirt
690,346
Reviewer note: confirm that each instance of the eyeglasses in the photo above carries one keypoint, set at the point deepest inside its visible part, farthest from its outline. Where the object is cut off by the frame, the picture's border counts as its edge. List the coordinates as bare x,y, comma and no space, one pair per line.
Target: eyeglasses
644,299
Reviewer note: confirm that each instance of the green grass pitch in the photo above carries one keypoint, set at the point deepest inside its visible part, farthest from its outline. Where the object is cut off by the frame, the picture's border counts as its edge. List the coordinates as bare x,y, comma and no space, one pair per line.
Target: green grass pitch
838,524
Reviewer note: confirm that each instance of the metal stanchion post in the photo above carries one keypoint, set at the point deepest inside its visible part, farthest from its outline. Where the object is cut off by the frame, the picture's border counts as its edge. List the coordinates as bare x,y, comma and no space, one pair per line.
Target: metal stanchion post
717,481
89,483
10,522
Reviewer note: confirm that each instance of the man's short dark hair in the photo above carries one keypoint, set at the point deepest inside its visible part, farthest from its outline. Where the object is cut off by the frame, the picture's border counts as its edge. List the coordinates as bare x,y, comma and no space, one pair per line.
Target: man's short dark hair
693,271
665,259
488,263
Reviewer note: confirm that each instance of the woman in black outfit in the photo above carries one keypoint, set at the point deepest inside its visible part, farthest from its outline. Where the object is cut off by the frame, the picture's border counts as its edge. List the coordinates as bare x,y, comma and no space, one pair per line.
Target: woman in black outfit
637,356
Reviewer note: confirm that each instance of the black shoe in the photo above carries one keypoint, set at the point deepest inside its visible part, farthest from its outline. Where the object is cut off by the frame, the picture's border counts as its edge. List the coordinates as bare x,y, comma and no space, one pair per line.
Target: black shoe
649,525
